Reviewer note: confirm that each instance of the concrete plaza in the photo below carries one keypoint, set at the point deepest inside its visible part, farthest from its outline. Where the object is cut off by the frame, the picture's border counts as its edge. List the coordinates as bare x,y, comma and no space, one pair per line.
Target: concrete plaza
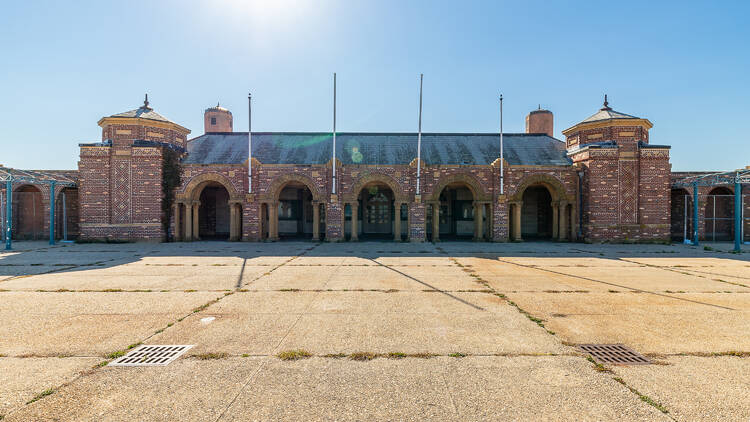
447,331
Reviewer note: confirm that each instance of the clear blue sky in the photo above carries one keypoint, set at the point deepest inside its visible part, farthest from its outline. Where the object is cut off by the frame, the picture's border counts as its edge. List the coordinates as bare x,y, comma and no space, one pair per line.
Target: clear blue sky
683,65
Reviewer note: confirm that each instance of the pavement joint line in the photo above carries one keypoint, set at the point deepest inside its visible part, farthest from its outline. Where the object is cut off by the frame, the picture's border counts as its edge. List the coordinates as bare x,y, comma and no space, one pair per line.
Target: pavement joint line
263,364
597,367
677,270
616,285
432,287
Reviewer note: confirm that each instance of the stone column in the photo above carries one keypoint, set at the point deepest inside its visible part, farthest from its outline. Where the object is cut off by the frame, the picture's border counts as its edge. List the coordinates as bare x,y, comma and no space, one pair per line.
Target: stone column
177,222
316,221
232,222
188,222
563,233
196,231
573,223
555,224
436,221
397,222
518,206
355,229
477,221
273,221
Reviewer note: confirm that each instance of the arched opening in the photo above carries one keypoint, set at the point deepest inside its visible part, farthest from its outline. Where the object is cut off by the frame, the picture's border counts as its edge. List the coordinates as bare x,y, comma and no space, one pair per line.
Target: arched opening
681,215
453,215
374,215
214,212
719,215
67,214
295,212
28,213
537,213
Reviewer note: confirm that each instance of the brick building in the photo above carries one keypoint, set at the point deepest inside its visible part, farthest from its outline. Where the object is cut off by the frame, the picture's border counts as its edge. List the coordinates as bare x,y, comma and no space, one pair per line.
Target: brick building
605,182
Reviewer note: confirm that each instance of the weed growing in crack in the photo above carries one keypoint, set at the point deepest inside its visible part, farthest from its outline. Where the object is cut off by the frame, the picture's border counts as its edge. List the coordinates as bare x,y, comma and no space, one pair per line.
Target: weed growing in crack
294,354
41,395
211,356
642,396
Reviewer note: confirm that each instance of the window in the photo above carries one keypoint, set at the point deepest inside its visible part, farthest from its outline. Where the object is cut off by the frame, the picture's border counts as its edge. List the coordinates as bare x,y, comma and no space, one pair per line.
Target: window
213,121
288,210
465,210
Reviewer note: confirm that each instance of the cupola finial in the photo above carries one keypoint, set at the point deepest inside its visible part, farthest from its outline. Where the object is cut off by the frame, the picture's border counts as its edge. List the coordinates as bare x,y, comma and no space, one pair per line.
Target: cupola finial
606,103
145,102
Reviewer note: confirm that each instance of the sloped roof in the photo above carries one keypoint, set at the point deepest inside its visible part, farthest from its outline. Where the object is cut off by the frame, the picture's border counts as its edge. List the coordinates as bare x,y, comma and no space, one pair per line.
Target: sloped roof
143,112
607,114
376,148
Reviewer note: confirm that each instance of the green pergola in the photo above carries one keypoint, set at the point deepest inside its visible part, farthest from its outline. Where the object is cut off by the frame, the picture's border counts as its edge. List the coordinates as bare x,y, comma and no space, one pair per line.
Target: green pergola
736,177
32,177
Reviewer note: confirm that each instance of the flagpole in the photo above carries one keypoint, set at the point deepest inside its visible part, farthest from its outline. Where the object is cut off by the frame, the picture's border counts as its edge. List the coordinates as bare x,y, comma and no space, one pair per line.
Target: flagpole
249,144
502,173
419,134
333,187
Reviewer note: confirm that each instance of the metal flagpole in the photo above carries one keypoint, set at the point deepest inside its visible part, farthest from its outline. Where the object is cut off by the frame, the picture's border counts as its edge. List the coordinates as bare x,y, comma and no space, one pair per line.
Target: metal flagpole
333,186
65,219
249,143
8,214
419,134
502,173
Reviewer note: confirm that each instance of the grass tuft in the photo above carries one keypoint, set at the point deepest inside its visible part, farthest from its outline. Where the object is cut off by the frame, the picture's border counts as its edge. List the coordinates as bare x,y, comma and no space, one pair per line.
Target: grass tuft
362,356
643,397
294,354
396,355
211,356
41,395
457,355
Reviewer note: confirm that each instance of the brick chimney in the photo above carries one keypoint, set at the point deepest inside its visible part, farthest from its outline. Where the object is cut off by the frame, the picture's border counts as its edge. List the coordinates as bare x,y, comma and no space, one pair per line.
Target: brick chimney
540,121
217,119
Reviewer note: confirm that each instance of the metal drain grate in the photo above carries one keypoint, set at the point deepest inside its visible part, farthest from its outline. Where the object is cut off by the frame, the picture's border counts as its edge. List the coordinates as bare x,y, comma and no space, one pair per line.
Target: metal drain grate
614,353
151,355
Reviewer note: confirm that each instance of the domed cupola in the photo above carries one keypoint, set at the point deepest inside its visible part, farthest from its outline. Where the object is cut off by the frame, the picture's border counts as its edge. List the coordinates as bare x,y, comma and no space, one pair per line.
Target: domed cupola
142,123
608,126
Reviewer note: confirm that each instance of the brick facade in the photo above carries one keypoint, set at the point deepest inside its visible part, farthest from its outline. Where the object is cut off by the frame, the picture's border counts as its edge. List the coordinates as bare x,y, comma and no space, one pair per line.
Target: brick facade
615,189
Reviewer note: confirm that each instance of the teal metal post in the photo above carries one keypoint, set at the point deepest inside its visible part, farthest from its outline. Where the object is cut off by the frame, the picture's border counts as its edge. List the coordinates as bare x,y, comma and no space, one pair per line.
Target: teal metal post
52,212
695,213
737,214
8,213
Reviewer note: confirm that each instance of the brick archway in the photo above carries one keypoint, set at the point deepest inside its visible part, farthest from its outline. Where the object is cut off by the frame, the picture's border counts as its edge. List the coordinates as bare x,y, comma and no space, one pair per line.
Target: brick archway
369,178
194,188
470,181
279,183
553,185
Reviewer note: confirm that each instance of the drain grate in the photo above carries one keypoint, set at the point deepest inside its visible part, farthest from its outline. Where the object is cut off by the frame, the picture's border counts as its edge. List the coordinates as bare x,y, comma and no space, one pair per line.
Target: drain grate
151,355
614,353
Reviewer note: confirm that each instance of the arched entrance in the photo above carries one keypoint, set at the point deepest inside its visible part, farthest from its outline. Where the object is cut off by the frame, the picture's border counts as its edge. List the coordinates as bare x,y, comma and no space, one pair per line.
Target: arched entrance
681,215
66,214
541,209
214,212
719,215
453,216
536,213
375,208
209,208
28,213
296,212
376,212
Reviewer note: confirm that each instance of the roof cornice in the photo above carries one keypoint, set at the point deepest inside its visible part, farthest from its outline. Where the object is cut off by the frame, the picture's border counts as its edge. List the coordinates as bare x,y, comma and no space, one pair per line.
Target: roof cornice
105,121
644,123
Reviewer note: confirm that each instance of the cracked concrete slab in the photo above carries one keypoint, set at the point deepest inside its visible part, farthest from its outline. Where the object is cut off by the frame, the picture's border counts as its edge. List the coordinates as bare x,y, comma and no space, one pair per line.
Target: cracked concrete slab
648,323
87,323
187,389
23,379
696,388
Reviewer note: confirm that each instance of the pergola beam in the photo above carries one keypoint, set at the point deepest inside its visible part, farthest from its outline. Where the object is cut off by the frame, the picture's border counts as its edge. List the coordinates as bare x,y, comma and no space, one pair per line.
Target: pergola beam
32,177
